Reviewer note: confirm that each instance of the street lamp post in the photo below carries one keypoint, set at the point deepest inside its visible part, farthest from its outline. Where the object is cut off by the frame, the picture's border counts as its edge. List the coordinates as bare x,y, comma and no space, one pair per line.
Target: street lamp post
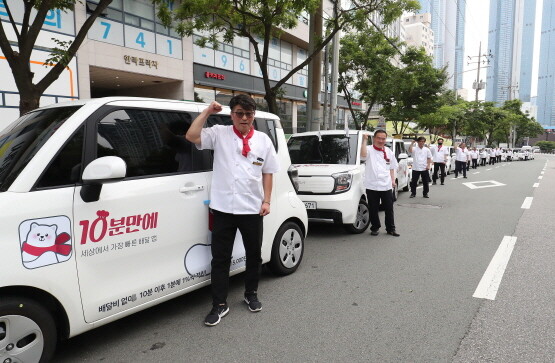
479,84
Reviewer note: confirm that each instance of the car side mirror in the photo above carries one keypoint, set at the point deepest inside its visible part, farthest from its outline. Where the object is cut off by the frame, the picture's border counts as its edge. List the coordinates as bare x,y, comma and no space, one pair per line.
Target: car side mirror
403,156
99,171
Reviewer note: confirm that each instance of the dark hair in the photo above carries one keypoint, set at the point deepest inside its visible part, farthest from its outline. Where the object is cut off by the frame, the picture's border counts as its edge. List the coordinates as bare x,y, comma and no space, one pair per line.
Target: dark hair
246,102
380,131
421,138
439,139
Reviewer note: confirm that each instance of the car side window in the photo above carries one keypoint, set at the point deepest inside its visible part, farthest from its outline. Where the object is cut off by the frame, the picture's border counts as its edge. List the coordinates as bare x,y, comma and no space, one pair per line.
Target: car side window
397,150
65,169
263,125
150,142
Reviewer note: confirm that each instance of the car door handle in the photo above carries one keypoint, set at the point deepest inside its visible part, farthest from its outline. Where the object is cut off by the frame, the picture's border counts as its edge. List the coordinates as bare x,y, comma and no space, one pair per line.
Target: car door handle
194,188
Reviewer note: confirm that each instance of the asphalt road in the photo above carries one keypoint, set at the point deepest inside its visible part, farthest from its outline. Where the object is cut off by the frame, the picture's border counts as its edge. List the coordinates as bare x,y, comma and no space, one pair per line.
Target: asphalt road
380,299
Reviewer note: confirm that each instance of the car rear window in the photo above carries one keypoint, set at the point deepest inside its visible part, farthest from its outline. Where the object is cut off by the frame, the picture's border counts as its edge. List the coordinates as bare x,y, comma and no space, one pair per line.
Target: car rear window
323,149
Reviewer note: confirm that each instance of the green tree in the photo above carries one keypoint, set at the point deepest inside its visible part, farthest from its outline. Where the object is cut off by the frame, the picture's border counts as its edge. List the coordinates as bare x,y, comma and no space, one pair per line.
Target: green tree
365,69
260,21
524,125
414,89
27,31
546,146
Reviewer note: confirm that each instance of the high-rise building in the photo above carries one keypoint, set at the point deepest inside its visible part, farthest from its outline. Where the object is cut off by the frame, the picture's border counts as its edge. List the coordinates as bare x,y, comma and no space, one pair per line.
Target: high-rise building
418,32
448,22
546,74
511,41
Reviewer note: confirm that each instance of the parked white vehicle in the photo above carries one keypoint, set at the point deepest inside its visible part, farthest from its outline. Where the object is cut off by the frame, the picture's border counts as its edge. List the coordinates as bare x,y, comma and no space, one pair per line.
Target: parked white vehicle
105,213
403,174
518,154
331,176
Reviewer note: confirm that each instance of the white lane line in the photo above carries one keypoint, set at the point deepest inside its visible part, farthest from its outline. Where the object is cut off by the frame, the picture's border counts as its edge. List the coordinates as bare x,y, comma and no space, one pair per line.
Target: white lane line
476,173
536,185
496,167
489,284
540,177
543,172
419,187
527,203
488,169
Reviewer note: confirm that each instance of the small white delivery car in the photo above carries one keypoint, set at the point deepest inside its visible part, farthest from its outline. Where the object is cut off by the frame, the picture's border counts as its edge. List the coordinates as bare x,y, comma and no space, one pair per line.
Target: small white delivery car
105,213
331,176
403,174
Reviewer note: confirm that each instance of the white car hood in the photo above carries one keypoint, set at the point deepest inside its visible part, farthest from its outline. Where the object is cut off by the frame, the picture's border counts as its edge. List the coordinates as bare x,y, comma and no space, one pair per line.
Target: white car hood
323,169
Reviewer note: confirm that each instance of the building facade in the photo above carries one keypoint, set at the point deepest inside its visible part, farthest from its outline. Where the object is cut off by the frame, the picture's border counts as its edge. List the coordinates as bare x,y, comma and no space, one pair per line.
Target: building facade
128,52
546,74
418,32
511,41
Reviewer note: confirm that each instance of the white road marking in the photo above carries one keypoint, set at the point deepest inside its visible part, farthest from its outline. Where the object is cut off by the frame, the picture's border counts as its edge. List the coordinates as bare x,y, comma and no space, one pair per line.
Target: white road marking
489,284
527,203
543,172
496,167
536,185
488,169
483,184
540,177
476,173
420,187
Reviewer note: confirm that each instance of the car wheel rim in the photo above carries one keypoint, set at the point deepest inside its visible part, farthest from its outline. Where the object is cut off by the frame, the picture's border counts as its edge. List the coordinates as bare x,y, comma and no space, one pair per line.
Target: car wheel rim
290,248
21,339
363,217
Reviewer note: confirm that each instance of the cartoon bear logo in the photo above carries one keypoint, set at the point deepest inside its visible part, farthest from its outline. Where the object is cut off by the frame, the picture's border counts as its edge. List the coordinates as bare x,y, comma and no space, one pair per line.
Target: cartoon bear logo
43,243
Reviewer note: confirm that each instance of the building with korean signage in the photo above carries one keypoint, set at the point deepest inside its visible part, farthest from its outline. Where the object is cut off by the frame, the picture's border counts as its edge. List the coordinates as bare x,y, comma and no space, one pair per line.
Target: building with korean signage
129,52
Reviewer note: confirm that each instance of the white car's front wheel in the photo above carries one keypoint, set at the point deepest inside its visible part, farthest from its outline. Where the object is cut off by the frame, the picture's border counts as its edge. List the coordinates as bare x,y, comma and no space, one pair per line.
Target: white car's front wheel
362,220
287,250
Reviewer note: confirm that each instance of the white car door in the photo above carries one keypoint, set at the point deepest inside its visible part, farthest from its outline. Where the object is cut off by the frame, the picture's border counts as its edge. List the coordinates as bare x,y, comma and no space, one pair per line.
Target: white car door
131,244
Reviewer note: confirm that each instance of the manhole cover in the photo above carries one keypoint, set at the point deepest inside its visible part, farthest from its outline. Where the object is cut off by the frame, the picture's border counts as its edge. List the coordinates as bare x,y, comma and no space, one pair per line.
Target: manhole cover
420,206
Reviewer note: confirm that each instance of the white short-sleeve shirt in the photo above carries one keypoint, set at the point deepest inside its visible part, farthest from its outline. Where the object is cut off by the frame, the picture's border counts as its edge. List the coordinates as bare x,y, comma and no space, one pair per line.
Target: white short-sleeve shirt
377,171
237,180
439,153
420,158
462,155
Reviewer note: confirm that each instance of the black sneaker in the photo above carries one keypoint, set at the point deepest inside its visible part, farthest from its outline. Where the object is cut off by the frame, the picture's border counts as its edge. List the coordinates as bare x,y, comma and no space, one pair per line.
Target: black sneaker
426,196
374,233
393,233
251,299
412,195
434,183
216,314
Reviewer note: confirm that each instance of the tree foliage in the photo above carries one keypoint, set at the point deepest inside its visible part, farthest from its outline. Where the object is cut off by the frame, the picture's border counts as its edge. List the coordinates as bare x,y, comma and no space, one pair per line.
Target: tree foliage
27,31
365,69
546,146
414,89
260,21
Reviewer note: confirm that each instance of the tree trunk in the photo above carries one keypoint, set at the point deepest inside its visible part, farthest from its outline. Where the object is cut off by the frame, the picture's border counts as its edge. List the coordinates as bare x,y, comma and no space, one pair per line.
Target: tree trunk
272,102
28,101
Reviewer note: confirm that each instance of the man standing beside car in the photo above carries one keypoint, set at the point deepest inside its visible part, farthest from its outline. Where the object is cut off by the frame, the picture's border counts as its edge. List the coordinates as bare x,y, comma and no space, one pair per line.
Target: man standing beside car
440,155
379,181
461,159
244,163
422,159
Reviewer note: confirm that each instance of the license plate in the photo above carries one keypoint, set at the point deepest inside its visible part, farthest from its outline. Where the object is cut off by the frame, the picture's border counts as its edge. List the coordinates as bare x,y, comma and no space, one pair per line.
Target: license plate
310,205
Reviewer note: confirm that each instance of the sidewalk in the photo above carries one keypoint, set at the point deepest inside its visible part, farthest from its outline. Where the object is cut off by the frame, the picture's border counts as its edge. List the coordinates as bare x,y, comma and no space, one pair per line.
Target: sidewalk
519,325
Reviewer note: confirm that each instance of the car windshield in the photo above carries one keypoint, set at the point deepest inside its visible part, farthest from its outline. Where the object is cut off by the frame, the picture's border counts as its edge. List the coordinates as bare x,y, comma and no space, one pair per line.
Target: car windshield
326,149
23,139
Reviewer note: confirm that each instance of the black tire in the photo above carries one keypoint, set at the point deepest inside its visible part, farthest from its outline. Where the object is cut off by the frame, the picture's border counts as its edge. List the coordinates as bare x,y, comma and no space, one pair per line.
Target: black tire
287,249
363,219
39,345
406,188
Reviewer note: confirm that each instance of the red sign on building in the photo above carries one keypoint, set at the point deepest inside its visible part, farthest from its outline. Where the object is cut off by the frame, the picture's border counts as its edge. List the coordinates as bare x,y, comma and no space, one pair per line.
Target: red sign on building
214,75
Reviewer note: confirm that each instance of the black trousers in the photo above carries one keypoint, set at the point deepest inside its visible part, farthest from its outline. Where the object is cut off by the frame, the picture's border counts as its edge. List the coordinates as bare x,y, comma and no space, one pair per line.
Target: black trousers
492,160
374,197
441,168
483,161
425,181
460,167
474,163
223,235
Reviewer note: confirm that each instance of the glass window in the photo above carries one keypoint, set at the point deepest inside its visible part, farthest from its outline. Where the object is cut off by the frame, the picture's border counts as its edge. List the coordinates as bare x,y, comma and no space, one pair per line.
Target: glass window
286,53
329,149
151,142
23,139
274,49
66,167
302,117
142,8
285,113
241,43
204,95
223,97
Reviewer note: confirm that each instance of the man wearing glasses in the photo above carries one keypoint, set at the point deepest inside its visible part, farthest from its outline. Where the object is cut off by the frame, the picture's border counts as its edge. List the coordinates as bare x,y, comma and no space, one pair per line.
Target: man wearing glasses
244,163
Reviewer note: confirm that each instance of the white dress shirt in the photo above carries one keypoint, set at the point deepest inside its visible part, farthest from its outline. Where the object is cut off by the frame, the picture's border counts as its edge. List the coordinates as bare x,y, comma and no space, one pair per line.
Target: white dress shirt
420,158
236,179
462,155
474,154
377,174
439,153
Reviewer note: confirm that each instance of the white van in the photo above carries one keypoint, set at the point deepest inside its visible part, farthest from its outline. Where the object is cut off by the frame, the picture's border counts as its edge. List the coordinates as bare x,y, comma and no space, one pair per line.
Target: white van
403,174
105,213
331,176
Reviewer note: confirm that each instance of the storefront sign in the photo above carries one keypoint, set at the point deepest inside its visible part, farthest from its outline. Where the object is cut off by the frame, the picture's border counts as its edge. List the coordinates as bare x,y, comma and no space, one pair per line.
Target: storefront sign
140,61
356,103
214,75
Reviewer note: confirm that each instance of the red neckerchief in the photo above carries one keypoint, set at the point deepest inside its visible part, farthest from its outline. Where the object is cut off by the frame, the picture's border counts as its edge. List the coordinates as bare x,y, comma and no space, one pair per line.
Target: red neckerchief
59,247
382,150
246,147
439,147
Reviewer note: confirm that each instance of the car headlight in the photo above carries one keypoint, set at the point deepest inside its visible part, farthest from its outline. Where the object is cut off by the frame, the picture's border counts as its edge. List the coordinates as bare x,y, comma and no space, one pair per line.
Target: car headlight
293,173
343,182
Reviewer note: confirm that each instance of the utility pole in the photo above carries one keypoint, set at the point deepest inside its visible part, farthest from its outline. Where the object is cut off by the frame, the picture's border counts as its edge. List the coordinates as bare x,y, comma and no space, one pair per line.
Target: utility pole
478,84
313,108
